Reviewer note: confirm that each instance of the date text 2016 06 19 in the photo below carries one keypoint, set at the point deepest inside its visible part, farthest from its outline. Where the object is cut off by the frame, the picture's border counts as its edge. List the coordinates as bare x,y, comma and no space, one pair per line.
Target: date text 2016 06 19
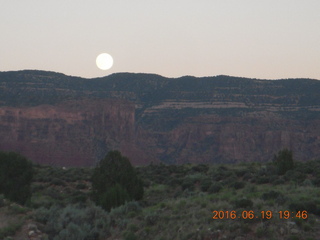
263,214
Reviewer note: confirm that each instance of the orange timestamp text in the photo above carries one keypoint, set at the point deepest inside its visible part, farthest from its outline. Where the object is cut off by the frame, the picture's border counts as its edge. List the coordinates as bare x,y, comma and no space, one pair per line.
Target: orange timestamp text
262,214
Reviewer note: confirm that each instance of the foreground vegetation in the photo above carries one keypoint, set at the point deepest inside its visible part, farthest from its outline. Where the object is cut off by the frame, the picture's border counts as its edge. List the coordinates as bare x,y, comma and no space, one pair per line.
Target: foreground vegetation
178,203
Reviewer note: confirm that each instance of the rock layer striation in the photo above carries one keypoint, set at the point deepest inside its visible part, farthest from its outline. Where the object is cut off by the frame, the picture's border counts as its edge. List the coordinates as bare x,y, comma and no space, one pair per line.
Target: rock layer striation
67,121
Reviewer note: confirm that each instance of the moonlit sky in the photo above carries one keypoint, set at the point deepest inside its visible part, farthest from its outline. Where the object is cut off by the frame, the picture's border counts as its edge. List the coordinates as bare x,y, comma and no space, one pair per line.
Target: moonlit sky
248,38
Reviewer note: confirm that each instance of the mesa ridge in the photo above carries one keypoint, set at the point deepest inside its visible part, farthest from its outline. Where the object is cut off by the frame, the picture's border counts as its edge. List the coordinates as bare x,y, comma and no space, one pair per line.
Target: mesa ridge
69,121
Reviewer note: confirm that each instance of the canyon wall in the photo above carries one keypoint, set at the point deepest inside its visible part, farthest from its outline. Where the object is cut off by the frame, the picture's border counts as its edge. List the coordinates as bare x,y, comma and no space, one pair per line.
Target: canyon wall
72,133
66,121
216,139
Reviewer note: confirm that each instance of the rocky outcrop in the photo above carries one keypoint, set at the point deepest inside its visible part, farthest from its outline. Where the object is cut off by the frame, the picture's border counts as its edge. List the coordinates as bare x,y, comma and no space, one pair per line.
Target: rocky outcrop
213,138
56,119
69,134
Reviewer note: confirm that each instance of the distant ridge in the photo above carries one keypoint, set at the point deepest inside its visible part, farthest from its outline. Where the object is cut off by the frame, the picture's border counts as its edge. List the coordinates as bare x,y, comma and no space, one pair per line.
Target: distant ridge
142,85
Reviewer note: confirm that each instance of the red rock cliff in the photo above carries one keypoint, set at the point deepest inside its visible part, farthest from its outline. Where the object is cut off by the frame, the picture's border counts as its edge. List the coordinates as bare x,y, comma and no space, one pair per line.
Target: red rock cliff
188,119
212,138
73,133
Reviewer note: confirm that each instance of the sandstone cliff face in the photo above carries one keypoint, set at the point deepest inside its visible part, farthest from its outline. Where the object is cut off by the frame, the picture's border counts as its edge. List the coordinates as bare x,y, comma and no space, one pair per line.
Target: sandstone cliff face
222,139
79,133
73,133
55,119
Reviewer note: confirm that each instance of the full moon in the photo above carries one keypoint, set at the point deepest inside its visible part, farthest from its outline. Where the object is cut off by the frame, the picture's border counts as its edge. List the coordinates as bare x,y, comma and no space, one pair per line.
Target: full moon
104,61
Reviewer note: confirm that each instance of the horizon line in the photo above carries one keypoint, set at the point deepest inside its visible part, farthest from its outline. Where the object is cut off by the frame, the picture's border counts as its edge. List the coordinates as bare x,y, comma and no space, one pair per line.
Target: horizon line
156,74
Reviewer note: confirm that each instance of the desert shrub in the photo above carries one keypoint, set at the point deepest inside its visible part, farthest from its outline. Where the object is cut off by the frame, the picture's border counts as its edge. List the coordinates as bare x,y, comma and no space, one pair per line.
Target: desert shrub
132,206
41,215
133,227
182,204
58,182
16,173
271,169
38,201
238,185
202,168
309,206
42,174
230,180
316,180
283,161
73,231
132,214
38,187
17,209
295,176
307,167
162,204
188,235
174,181
114,196
53,193
197,177
76,174
74,222
70,174
158,173
158,189
241,172
272,178
281,199
215,187
128,235
188,193
243,203
222,173
270,195
2,201
307,183
263,231
262,179
205,184
78,197
247,176
10,230
277,180
293,237
81,186
307,227
43,178
115,181
172,168
117,212
129,209
190,180
262,171
278,197
187,183
250,188
245,228
260,232
151,219
223,168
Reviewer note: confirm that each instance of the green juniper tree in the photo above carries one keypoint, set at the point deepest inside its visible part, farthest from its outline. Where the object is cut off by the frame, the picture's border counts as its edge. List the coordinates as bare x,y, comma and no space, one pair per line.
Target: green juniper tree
283,161
114,181
16,174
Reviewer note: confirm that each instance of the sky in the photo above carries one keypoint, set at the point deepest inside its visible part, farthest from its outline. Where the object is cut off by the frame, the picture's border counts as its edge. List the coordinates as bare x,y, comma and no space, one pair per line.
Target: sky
246,38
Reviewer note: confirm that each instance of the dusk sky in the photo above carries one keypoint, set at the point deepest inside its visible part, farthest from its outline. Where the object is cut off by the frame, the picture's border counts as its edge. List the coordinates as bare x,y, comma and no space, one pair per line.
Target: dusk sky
248,38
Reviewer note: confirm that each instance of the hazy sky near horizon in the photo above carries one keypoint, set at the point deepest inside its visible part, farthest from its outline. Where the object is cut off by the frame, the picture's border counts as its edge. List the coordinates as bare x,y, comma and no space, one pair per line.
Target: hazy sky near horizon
248,38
